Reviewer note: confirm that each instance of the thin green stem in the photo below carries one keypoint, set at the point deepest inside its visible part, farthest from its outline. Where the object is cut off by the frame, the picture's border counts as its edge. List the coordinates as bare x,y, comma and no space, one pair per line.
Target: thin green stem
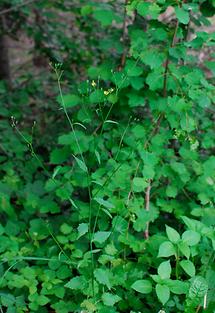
59,75
177,264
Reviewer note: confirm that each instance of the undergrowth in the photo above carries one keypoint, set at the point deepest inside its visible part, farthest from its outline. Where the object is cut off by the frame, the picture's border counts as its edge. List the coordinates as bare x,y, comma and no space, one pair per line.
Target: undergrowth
118,216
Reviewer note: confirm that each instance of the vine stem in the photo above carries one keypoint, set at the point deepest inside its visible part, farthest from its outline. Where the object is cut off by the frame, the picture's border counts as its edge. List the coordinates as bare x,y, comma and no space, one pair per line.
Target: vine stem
157,126
147,208
198,308
167,61
166,70
123,57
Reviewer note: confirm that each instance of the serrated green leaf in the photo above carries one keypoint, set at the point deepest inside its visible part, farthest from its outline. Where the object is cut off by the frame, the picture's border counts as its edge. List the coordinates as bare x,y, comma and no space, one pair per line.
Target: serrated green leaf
82,229
97,96
103,277
42,300
101,236
171,191
182,15
139,184
59,156
76,283
65,229
110,299
104,203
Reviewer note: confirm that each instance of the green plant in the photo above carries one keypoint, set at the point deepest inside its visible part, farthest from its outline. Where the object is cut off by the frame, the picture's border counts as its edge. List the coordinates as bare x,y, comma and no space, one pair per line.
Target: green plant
83,222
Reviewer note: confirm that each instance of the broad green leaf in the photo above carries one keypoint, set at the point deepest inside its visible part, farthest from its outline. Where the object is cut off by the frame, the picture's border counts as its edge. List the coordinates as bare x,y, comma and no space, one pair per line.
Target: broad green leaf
38,229
132,69
120,224
63,272
139,184
77,141
42,300
191,237
97,96
152,58
166,249
163,293
112,98
188,267
184,249
7,300
69,100
182,15
157,279
82,229
178,287
143,8
154,79
135,100
143,286
144,216
103,277
76,283
171,191
105,17
164,270
59,156
104,203
66,229
101,236
86,9
110,299
172,234
147,8
187,123
11,228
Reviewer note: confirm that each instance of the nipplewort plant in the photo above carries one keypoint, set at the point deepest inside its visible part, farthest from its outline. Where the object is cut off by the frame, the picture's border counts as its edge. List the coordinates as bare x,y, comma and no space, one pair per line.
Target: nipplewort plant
113,211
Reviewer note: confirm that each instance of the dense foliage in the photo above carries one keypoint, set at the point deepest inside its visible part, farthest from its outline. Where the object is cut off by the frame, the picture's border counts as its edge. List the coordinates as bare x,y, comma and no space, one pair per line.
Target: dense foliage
107,167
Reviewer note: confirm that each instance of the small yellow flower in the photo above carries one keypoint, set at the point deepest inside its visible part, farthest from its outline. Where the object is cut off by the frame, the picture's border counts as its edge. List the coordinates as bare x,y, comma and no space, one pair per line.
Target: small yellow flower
93,83
107,92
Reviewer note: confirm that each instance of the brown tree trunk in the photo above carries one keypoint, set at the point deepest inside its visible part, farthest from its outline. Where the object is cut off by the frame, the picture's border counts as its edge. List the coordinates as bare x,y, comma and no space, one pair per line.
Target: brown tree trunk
39,59
4,54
